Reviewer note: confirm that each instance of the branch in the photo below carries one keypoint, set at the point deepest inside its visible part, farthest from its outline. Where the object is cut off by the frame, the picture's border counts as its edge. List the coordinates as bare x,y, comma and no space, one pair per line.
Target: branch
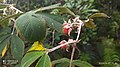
59,46
53,37
14,26
73,50
74,46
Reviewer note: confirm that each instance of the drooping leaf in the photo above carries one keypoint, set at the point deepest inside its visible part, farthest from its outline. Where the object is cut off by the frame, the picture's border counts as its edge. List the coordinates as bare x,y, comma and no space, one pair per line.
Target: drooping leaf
31,27
90,24
17,47
44,61
99,15
30,57
80,63
37,46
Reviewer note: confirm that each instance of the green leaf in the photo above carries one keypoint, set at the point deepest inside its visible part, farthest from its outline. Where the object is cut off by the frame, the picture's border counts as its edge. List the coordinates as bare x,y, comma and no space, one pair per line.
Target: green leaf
4,42
18,65
64,62
17,47
99,15
81,63
44,61
5,31
32,28
60,61
53,21
4,39
30,57
90,24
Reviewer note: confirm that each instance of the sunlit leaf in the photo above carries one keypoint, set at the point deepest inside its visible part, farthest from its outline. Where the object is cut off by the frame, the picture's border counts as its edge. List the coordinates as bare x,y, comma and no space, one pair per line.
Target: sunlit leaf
30,57
17,47
44,61
90,23
37,46
4,51
99,15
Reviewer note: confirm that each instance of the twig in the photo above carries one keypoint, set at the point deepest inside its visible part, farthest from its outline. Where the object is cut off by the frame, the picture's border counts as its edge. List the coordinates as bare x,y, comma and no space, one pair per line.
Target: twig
78,51
74,46
79,30
59,46
53,37
14,26
73,50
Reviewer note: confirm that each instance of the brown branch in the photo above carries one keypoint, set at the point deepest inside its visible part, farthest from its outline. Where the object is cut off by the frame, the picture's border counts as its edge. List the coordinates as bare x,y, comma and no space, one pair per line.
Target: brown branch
53,37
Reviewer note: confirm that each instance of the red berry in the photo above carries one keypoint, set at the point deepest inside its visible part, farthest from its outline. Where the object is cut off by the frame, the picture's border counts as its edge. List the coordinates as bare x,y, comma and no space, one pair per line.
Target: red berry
65,31
63,42
63,47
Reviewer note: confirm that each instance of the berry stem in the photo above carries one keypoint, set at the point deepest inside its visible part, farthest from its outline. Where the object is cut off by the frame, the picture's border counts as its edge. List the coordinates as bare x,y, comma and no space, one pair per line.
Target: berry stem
73,50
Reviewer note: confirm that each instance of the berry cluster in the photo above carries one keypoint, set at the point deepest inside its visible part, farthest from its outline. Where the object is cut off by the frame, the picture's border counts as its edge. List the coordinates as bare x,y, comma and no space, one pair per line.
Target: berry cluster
69,26
74,24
